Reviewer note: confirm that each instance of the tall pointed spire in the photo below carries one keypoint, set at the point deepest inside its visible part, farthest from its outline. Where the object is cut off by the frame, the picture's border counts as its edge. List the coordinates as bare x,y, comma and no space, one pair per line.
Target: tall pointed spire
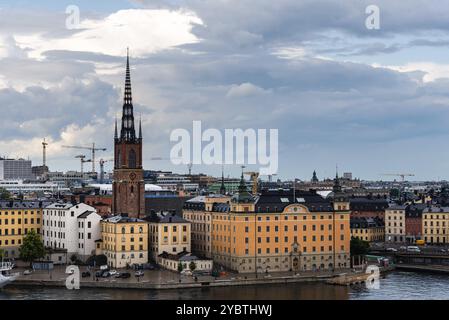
140,127
116,131
222,187
337,187
127,132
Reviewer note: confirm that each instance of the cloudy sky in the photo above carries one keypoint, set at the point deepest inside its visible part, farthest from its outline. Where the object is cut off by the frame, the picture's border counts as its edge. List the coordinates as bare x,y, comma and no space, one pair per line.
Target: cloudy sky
371,101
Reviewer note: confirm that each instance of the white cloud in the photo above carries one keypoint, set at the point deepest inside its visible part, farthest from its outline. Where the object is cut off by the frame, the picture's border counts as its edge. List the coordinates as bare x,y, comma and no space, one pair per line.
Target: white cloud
144,31
244,90
430,71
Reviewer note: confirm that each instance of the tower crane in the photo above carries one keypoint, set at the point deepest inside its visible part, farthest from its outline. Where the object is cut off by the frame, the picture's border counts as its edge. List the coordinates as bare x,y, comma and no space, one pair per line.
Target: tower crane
44,153
102,162
93,149
402,175
254,178
82,157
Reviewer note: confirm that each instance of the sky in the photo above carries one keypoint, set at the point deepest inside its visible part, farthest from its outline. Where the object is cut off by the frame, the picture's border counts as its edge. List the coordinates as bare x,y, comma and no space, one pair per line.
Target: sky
370,101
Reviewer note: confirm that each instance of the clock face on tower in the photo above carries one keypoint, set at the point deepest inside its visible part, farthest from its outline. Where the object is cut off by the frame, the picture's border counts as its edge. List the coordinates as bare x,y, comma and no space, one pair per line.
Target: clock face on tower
132,176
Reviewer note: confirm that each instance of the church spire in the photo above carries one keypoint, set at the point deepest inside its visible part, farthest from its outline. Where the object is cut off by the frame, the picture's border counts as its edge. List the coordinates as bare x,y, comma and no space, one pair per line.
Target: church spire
116,131
127,132
222,187
140,127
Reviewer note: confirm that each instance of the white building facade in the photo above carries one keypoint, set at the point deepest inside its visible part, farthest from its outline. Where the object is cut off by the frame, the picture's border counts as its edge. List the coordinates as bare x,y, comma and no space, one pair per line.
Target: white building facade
72,228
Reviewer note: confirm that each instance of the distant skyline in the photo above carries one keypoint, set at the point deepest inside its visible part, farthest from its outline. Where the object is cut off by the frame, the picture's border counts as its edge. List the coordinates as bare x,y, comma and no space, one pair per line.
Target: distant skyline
371,101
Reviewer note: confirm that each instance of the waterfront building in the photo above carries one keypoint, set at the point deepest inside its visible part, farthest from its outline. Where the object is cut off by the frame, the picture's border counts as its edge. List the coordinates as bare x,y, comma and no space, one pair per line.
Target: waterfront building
17,218
128,185
435,220
199,212
413,222
185,259
368,207
395,224
167,233
368,229
124,241
282,230
71,229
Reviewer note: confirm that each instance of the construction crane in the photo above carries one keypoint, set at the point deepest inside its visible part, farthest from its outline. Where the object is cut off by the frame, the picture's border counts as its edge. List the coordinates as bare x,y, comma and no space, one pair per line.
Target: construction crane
92,149
102,162
402,175
44,154
254,178
82,157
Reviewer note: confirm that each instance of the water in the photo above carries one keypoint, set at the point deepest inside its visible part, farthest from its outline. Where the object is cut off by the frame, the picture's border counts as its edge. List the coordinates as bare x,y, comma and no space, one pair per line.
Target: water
396,285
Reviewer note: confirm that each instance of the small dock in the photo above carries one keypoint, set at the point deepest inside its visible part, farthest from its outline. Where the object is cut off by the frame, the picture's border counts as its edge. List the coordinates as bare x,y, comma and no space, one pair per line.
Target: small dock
349,279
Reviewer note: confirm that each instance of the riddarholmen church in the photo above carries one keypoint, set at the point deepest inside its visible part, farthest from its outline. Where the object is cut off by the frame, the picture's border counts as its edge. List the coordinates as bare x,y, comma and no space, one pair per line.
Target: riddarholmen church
128,187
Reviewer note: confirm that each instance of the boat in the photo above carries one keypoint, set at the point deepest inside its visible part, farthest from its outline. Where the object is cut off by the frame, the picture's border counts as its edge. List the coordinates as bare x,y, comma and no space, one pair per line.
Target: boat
6,277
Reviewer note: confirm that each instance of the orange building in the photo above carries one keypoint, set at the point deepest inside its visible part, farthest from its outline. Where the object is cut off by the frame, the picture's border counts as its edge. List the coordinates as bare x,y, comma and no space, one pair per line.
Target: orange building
282,231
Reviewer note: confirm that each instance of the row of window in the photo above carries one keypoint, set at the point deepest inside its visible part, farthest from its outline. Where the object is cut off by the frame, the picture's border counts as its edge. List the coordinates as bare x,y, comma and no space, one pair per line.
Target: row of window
13,232
12,213
123,247
12,242
19,221
221,227
276,250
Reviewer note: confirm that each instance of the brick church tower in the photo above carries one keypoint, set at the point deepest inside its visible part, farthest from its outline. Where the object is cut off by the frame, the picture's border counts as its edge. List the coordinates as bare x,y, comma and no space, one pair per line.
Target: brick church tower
128,187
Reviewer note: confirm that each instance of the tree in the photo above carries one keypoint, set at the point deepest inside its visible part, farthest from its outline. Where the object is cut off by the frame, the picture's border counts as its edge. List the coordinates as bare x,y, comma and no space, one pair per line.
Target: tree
99,260
2,253
192,266
180,267
32,247
359,247
4,194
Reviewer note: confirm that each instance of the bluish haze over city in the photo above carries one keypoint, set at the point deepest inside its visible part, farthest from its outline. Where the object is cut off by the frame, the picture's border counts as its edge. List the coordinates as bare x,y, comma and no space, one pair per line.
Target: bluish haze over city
371,101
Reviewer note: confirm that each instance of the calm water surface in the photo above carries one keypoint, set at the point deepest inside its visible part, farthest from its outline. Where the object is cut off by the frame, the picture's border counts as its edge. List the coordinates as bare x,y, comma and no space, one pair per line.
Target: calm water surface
396,285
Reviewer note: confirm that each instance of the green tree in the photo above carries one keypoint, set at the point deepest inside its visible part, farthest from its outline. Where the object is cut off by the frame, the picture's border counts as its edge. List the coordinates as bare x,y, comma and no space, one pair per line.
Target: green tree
359,247
192,266
4,194
32,247
180,267
2,253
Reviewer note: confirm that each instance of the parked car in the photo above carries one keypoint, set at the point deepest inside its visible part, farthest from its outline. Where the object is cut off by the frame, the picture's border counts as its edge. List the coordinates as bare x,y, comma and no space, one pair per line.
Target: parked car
186,272
403,248
139,273
98,274
113,272
85,274
392,250
104,267
27,272
105,274
123,275
413,249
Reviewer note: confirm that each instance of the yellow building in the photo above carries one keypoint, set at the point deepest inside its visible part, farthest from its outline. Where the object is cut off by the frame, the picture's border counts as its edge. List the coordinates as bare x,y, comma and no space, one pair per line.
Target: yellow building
16,220
124,241
368,229
395,224
435,222
281,231
168,233
199,212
